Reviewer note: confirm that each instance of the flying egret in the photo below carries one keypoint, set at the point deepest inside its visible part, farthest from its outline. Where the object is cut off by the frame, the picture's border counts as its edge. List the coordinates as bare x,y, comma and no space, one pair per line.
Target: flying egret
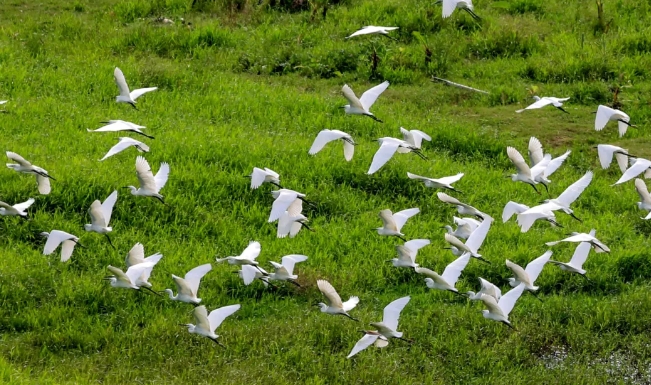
247,257
3,102
125,143
474,242
326,136
528,275
445,182
335,306
127,96
386,328
413,137
570,195
285,271
388,147
136,256
639,166
465,227
18,209
371,29
645,198
499,310
121,125
188,286
22,165
487,288
206,324
100,216
58,237
450,5
291,225
605,114
526,216
249,273
462,208
260,176
450,276
606,153
526,174
285,201
598,246
150,185
407,253
392,223
536,156
578,258
362,105
127,280
545,101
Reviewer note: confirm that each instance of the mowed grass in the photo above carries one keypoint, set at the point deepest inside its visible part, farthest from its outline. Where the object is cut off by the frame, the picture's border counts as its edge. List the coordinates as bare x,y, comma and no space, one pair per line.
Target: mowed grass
249,88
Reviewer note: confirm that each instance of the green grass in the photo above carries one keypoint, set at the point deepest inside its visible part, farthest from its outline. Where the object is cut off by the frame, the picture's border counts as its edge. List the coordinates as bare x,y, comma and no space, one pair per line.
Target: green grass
251,85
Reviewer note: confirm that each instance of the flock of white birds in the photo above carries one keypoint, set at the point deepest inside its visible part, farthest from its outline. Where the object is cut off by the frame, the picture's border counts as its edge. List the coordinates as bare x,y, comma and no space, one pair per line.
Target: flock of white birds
465,239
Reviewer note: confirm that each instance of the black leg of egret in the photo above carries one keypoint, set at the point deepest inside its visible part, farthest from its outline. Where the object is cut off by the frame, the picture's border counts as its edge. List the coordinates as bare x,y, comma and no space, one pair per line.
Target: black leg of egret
79,244
218,343
457,293
473,14
574,216
259,269
306,226
160,199
536,295
276,184
509,325
344,314
586,277
133,105
455,190
546,188
555,223
534,187
406,340
268,283
375,118
605,251
109,239
150,290
309,203
294,282
561,108
484,260
390,37
401,238
143,134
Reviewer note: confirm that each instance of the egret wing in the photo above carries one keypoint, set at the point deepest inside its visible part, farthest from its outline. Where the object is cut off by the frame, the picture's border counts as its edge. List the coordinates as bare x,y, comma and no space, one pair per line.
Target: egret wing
252,251
363,343
121,82
640,166
96,214
492,304
605,153
603,115
153,260
622,160
400,218
642,191
257,177
448,7
295,229
351,303
542,102
350,96
555,163
107,206
122,145
418,177
54,240
162,175
541,166
581,253
535,150
453,271
388,220
370,96
508,300
285,223
135,94
119,274
450,179
295,208
67,247
136,255
324,137
513,208
416,244
392,312
575,190
334,300
135,271
24,205
349,150
218,316
490,289
193,277
249,274
534,267
43,184
478,236
18,159
518,161
383,154
288,262
201,318
145,175
281,204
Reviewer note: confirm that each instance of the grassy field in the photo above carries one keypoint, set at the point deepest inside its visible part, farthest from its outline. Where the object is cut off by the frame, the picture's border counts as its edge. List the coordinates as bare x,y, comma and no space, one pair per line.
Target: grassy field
251,84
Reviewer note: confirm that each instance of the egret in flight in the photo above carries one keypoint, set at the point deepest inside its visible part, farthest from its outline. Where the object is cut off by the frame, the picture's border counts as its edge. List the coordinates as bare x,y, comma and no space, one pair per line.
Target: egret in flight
150,185
326,136
249,273
16,210
58,237
526,174
121,125
645,198
639,166
545,101
528,275
462,208
335,305
371,29
450,276
127,96
606,114
188,286
392,223
247,257
125,143
206,324
413,137
570,195
606,153
407,253
22,165
291,225
128,280
285,271
100,216
465,227
388,147
578,258
136,256
362,105
285,201
450,5
526,216
385,330
445,182
536,157
487,288
474,242
260,176
598,246
499,310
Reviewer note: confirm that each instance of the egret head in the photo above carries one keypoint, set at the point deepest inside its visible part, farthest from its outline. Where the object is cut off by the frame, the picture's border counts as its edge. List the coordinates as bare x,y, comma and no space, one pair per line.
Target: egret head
88,227
472,295
189,326
45,234
513,282
132,189
170,293
429,282
448,229
322,306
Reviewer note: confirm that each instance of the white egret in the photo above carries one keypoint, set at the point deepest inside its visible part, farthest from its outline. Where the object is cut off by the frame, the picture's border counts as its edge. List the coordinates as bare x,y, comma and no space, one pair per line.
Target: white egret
639,166
121,125
125,143
371,29
413,137
606,153
450,276
188,286
127,96
22,165
474,242
150,185
386,329
260,176
58,237
528,275
362,105
578,258
291,225
445,182
285,201
526,174
335,305
388,147
392,223
645,198
285,271
136,256
462,208
206,324
247,257
528,217
3,102
545,101
536,156
100,216
499,310
605,114
570,195
465,227
407,253
598,246
326,136
249,273
127,280
16,210
487,288
450,5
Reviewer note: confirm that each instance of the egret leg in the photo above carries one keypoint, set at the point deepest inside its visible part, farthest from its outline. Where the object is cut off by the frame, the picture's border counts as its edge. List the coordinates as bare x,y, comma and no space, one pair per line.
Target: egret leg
574,216
536,295
346,314
406,340
160,199
534,187
218,343
306,226
79,244
401,238
473,14
150,290
390,37
276,184
309,203
294,282
109,240
133,105
375,118
484,260
509,325
561,108
143,134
